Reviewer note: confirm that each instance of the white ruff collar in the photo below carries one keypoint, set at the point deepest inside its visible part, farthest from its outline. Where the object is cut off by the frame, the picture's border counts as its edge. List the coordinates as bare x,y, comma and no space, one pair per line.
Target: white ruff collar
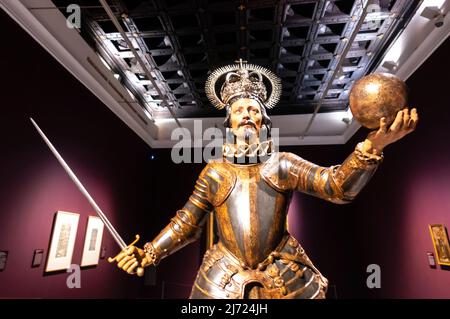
249,150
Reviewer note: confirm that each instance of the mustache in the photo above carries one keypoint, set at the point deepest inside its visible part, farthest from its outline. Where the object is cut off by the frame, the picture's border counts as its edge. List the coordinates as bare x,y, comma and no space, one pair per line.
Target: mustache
247,122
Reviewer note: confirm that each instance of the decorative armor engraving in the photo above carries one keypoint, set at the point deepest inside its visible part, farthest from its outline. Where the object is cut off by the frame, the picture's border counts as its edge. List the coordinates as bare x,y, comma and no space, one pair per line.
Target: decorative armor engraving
255,255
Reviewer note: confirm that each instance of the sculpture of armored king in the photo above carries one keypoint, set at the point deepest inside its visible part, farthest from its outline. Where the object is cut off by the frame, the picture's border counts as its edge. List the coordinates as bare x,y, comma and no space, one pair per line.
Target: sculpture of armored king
250,190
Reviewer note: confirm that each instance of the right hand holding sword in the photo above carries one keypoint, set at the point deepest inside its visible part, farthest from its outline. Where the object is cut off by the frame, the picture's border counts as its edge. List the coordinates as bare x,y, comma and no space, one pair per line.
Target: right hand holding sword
133,260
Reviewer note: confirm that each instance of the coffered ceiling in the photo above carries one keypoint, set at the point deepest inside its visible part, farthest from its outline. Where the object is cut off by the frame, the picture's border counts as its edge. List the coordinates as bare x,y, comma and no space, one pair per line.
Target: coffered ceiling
317,48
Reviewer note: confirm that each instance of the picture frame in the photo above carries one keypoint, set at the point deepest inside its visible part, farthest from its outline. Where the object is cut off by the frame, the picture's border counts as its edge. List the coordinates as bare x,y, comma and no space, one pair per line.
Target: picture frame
92,242
3,259
62,242
441,244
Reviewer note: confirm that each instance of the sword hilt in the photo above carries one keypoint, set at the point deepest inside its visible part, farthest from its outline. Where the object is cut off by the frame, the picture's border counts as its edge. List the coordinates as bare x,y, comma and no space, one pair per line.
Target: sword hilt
140,270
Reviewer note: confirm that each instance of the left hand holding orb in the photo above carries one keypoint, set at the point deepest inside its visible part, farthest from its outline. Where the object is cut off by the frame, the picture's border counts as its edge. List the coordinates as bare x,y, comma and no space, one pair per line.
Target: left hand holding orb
379,101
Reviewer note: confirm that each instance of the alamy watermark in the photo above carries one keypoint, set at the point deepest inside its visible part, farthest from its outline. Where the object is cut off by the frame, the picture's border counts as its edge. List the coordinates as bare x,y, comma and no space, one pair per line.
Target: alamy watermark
191,148
73,21
74,279
374,279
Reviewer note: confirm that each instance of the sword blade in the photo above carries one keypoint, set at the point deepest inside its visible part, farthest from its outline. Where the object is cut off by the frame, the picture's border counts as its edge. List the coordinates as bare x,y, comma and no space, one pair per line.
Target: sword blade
80,186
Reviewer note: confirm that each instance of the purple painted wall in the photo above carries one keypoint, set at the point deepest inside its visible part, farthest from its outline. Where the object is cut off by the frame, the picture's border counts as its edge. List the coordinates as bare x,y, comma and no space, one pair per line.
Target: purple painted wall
165,189
388,223
112,162
326,230
411,191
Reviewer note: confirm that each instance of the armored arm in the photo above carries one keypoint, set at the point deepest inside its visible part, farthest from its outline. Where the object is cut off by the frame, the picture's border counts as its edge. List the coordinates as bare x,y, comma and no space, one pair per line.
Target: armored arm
185,227
339,184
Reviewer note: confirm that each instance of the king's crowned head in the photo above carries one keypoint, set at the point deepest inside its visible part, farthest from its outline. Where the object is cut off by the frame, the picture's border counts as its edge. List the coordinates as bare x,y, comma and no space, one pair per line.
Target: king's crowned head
243,80
245,91
242,88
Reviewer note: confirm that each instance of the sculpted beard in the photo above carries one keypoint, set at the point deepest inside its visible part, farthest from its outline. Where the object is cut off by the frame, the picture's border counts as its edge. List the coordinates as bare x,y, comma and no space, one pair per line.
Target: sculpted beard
250,132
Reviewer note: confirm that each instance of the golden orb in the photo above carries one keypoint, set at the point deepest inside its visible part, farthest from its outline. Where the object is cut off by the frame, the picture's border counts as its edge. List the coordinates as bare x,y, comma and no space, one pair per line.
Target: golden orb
375,96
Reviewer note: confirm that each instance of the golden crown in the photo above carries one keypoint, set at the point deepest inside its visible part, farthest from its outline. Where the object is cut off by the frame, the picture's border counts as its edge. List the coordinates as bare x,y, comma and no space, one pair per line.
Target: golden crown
242,79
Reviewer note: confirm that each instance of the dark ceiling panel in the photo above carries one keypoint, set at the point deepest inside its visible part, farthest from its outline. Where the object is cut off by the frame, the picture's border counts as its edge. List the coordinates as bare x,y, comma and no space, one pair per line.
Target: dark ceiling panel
300,40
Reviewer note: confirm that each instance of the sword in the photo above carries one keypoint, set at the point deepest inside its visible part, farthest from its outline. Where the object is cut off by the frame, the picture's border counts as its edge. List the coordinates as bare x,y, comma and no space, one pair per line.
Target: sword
74,178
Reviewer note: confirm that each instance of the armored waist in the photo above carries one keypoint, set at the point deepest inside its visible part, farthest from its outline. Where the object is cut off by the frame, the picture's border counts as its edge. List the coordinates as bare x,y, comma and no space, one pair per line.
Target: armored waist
286,273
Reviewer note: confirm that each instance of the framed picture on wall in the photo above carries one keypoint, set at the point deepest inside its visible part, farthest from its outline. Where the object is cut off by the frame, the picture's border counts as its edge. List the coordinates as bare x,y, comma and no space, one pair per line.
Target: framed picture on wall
3,259
62,241
440,243
92,242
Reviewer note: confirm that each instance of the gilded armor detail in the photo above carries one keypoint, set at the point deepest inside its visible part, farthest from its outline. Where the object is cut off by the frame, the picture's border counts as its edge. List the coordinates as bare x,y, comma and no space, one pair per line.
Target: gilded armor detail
286,273
221,182
255,256
339,184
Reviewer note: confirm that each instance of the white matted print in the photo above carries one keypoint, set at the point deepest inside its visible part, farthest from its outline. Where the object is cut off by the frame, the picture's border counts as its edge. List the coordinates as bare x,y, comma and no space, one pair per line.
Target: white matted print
92,242
62,241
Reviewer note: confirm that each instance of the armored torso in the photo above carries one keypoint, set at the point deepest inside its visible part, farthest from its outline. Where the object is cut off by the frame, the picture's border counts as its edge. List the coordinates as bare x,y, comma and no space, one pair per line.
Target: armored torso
250,213
255,256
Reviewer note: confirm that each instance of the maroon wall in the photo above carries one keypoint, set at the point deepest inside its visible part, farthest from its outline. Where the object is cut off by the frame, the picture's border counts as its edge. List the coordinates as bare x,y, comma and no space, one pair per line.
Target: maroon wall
388,223
165,189
105,154
411,191
326,230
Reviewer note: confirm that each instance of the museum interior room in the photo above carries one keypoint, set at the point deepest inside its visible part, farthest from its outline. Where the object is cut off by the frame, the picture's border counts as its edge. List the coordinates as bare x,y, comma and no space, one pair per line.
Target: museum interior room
109,82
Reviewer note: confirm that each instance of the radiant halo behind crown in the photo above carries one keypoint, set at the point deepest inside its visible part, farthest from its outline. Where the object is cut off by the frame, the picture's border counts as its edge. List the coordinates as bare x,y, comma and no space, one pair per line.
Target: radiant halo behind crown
243,79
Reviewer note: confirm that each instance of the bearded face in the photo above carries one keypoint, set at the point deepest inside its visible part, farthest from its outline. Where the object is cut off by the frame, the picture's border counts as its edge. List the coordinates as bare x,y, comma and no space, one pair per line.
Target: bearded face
246,118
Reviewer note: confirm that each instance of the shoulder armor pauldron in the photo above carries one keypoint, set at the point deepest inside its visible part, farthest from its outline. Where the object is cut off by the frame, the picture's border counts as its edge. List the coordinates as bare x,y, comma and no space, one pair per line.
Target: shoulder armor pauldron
220,179
276,171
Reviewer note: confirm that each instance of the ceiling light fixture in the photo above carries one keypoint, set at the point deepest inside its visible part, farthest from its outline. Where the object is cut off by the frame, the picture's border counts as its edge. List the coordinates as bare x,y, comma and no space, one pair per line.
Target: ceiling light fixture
391,66
433,13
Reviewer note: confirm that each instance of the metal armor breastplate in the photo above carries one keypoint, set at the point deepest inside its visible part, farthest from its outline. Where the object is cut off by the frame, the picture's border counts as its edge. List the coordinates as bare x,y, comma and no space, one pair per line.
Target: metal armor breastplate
250,214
